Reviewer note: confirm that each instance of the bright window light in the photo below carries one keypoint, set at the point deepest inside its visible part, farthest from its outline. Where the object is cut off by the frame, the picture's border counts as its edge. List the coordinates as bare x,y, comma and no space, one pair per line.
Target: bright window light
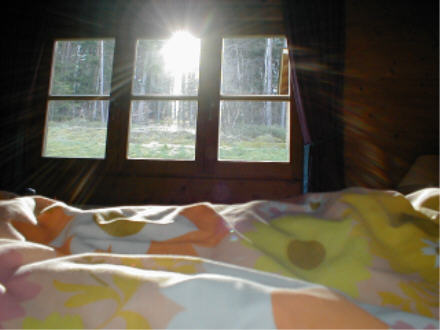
181,53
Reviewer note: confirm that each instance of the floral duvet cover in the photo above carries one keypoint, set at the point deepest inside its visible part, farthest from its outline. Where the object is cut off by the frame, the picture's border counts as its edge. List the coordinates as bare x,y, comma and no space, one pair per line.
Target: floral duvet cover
355,258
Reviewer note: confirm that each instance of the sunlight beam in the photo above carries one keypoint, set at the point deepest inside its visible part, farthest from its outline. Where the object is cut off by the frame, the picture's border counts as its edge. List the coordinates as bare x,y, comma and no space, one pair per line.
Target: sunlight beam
181,53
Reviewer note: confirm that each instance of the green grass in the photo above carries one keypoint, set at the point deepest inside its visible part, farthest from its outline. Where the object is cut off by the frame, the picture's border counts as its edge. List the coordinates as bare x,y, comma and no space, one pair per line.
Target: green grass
268,153
254,143
75,140
80,139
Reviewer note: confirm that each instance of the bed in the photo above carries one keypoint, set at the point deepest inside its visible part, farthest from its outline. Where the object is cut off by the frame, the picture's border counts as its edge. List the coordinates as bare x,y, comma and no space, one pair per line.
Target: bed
356,258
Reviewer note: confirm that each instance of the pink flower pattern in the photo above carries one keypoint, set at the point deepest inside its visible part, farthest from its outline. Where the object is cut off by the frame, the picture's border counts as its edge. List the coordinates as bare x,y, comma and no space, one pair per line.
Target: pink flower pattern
14,289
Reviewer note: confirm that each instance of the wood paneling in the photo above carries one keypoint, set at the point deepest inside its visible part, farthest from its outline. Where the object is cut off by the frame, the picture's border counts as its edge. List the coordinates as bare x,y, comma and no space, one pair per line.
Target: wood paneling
391,89
93,186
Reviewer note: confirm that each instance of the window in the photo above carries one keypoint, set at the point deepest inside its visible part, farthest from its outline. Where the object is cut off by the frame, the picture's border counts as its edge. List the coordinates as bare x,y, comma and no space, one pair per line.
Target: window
254,118
210,107
78,102
164,108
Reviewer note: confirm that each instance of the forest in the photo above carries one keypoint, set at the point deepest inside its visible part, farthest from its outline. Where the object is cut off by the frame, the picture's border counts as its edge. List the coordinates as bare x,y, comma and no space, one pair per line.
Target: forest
249,129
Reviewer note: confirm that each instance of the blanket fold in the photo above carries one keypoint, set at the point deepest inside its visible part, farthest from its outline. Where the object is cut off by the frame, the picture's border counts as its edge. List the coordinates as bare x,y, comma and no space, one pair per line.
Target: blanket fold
355,258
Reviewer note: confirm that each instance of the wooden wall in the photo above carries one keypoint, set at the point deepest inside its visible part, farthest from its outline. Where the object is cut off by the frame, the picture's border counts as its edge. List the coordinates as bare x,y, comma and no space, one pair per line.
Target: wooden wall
391,89
22,37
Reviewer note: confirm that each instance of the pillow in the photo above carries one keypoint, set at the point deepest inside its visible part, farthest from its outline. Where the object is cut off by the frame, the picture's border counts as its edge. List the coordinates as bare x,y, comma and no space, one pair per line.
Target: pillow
422,174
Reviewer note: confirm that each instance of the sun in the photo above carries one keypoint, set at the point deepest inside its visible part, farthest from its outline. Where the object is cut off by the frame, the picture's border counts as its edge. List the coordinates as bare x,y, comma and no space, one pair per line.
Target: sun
181,53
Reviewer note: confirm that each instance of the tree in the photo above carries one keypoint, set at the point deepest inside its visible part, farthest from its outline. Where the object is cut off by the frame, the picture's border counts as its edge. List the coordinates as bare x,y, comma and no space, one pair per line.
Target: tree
268,80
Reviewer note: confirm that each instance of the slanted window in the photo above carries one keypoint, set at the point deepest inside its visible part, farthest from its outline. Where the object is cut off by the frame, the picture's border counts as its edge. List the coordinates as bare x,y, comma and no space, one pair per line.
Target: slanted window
208,107
254,111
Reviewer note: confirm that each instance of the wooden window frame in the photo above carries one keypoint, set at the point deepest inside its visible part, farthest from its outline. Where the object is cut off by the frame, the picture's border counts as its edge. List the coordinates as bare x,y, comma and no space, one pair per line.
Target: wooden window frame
205,164
73,97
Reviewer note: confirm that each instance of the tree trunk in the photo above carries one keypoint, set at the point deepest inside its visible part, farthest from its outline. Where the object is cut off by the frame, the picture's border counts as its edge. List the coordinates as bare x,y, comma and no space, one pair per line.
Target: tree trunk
177,90
75,79
101,81
268,81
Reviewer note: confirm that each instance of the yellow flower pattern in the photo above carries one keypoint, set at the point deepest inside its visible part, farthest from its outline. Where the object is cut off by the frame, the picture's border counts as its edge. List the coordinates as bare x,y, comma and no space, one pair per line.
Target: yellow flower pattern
313,249
398,233
415,298
338,251
87,294
115,224
54,321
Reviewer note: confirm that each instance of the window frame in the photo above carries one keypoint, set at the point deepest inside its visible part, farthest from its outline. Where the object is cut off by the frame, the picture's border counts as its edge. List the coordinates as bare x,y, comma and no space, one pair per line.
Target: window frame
206,164
76,97
261,98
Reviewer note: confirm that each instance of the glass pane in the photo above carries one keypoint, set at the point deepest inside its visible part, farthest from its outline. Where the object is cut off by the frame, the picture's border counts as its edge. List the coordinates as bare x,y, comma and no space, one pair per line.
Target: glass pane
254,131
163,130
167,67
82,67
252,66
76,129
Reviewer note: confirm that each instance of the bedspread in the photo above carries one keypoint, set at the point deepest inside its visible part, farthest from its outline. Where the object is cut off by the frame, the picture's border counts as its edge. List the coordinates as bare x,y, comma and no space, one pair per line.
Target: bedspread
355,258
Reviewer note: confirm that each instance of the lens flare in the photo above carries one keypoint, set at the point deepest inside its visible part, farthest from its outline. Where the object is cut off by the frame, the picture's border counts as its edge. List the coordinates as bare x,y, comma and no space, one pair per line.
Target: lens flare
181,53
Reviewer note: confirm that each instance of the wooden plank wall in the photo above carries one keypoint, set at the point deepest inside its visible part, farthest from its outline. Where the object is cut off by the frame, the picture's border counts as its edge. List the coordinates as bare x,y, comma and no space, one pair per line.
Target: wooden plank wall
391,89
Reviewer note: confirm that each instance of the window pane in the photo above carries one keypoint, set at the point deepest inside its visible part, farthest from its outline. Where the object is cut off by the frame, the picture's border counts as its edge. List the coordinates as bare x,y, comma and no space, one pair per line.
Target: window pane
167,67
163,130
254,131
76,129
82,67
251,66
